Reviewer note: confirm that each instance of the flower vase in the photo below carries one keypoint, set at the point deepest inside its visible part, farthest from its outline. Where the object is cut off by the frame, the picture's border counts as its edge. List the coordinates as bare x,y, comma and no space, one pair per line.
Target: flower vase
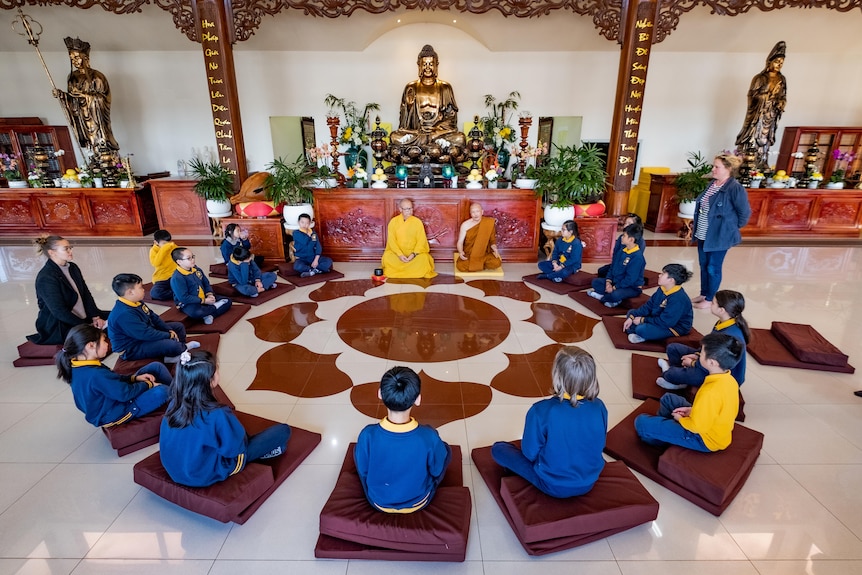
812,185
18,184
492,185
356,155
835,186
503,157
98,183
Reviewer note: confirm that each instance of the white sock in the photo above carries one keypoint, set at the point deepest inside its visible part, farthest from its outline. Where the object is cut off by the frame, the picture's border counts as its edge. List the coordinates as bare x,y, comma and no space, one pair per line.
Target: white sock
220,303
663,364
192,345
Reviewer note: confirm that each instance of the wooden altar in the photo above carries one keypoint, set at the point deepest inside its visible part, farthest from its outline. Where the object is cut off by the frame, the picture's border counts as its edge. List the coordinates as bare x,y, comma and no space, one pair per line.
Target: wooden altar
812,213
352,222
77,211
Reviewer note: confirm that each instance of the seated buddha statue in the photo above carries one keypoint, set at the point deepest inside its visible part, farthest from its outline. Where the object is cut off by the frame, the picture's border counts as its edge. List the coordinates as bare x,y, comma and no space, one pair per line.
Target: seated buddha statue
428,122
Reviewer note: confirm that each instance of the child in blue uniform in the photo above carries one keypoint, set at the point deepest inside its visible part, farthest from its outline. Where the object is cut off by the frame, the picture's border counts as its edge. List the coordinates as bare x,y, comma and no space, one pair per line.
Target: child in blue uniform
682,368
235,235
308,251
192,292
707,424
108,398
201,441
163,265
626,277
136,331
244,275
668,312
564,435
618,244
400,462
566,257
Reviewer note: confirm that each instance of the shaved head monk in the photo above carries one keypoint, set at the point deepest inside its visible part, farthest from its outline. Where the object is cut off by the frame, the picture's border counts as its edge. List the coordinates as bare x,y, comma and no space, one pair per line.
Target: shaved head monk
407,254
477,243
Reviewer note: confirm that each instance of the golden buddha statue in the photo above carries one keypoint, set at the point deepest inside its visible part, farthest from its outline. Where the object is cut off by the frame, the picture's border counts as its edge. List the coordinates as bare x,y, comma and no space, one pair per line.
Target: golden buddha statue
428,122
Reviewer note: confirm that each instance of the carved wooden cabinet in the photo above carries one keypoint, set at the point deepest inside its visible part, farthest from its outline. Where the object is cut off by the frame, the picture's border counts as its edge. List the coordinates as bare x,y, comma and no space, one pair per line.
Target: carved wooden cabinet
180,210
19,140
265,234
797,140
352,223
78,211
812,213
663,208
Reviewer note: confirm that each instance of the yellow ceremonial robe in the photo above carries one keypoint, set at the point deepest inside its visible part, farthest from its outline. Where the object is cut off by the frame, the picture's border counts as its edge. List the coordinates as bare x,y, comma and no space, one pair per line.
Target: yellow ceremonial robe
477,246
405,237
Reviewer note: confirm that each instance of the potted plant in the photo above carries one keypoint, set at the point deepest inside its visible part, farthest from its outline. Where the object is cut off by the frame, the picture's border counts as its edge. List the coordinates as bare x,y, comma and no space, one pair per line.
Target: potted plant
575,176
9,170
291,184
355,131
498,135
690,184
215,185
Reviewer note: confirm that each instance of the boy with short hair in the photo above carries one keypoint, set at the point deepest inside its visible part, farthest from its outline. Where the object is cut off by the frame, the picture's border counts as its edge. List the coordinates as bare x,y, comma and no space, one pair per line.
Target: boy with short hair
400,463
192,292
244,275
706,425
136,331
308,251
668,311
626,276
163,265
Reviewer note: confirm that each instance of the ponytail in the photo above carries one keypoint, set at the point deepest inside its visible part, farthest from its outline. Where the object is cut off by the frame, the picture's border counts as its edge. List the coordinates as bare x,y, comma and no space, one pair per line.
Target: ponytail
77,340
733,303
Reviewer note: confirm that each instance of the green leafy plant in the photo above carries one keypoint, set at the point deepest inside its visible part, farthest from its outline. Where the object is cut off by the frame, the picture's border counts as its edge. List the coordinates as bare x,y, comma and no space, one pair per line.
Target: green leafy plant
690,184
575,175
495,125
215,182
290,183
355,130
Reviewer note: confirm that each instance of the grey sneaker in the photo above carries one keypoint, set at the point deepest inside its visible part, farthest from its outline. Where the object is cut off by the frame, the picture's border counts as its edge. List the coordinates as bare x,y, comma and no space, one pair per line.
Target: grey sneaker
274,453
612,303
220,303
635,338
307,274
208,319
663,364
665,384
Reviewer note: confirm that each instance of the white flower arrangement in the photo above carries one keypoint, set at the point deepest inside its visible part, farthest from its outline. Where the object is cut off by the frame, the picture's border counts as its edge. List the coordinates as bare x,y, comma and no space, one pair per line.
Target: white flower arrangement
491,175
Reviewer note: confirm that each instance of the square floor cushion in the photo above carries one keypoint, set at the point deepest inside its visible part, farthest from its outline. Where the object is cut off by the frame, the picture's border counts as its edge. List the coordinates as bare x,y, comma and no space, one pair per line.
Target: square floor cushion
768,350
807,345
239,496
227,290
481,273
220,270
221,324
209,342
577,281
350,528
645,371
601,310
165,302
620,339
545,524
135,434
32,354
709,480
315,279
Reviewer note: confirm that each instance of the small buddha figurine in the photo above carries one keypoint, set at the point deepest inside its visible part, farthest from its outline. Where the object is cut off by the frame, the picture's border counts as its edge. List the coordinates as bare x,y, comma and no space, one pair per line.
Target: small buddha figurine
429,115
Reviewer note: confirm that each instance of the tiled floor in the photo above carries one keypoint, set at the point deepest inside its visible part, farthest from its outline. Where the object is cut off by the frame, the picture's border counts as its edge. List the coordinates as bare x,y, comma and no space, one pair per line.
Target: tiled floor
68,504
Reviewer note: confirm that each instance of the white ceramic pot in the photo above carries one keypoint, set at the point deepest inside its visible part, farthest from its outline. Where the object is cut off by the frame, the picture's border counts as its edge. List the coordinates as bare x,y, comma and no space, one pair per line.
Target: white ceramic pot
326,183
755,183
379,185
291,215
124,183
215,208
812,185
687,208
18,184
835,186
98,182
525,184
474,185
492,185
555,217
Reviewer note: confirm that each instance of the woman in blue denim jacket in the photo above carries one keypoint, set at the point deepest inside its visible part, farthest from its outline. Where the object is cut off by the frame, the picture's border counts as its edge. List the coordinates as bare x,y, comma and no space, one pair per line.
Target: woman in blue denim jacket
720,212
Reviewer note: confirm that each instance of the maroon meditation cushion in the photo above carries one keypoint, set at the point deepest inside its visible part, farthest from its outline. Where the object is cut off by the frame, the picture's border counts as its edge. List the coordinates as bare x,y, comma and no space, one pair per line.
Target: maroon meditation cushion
227,290
767,350
221,324
601,310
561,288
806,344
620,339
136,434
315,279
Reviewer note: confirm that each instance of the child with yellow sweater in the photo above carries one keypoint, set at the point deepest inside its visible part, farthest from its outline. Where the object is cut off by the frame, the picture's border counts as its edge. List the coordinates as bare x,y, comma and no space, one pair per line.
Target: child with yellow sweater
163,265
707,424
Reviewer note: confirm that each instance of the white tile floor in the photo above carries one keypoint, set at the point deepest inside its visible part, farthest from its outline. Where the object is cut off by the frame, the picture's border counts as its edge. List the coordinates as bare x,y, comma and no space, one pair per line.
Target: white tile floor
68,504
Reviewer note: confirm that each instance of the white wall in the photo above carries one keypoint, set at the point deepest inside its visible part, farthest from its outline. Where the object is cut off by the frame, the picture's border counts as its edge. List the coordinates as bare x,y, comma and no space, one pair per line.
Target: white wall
693,101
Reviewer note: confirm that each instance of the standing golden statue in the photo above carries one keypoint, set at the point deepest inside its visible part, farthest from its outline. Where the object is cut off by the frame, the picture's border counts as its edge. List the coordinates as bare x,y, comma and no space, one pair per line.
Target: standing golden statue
88,100
428,122
767,98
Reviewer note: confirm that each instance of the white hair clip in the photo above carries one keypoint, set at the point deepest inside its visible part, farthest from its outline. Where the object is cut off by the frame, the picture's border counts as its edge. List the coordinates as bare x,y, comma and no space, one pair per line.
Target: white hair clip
185,357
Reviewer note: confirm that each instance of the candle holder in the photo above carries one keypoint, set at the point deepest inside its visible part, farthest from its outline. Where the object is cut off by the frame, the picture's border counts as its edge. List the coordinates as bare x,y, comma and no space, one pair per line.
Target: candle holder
333,122
749,157
524,121
811,157
475,146
378,144
401,173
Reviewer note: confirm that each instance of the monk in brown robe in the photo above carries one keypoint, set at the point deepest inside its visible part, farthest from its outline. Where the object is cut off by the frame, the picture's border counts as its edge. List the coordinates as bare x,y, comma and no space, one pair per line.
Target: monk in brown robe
477,243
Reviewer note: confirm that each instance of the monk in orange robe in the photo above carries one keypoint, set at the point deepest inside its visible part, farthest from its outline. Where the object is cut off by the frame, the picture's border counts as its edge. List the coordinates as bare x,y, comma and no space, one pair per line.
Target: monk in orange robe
477,243
407,253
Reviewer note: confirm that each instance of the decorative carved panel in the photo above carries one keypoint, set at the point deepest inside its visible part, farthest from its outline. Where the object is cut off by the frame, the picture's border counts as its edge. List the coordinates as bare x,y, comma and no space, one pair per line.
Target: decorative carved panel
62,211
789,212
440,222
513,231
17,212
112,211
264,234
838,212
599,235
180,210
359,226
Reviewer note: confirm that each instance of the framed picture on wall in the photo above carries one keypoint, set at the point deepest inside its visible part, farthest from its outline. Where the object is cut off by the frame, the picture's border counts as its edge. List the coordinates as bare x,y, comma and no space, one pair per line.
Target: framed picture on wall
546,131
308,137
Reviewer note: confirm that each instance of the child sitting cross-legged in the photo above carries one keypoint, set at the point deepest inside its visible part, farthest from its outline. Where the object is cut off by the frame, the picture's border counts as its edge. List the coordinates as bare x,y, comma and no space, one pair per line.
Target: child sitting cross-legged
707,424
682,368
400,463
564,435
668,312
108,398
201,441
192,292
625,278
310,260
136,331
244,275
163,265
566,257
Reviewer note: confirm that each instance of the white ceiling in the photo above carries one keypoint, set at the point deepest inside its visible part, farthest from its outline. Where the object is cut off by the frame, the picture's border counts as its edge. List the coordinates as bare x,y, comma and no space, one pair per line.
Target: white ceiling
821,30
